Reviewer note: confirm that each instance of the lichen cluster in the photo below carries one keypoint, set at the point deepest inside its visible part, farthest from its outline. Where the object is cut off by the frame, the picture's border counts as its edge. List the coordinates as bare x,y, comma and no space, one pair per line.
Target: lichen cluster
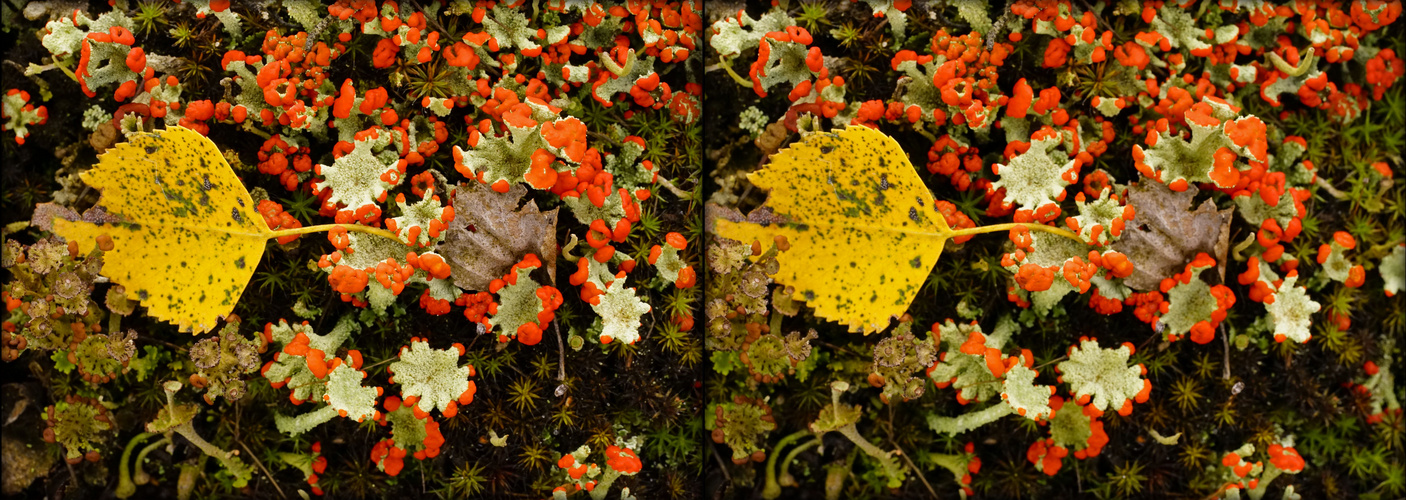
1203,249
457,156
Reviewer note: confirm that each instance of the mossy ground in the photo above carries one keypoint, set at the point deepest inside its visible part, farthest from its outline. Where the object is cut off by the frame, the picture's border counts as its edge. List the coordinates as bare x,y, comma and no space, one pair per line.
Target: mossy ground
650,389
1217,395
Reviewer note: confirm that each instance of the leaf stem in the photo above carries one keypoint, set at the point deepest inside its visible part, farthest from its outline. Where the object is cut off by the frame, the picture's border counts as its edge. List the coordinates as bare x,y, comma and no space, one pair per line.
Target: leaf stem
357,228
58,63
368,368
1011,225
726,65
249,127
260,463
683,195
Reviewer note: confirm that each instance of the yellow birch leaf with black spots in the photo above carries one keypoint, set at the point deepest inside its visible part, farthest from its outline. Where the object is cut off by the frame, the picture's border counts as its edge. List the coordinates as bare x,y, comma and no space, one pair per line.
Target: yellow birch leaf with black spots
862,226
190,237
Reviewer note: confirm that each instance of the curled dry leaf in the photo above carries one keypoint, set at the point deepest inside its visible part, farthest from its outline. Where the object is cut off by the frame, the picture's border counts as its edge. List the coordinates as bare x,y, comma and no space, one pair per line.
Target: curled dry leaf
772,138
490,233
104,137
1166,234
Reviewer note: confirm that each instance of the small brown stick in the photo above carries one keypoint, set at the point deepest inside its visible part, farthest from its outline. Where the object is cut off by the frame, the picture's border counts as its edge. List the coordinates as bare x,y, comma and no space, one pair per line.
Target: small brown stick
889,429
561,353
260,463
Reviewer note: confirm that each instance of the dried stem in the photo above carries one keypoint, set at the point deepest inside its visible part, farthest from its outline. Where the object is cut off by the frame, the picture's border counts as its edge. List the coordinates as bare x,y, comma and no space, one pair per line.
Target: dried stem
356,228
683,195
561,352
260,463
726,64
889,429
1012,225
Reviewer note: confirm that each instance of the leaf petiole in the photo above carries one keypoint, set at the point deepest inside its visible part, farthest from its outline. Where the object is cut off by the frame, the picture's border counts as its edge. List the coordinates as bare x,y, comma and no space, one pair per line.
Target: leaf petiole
726,65
1011,225
328,227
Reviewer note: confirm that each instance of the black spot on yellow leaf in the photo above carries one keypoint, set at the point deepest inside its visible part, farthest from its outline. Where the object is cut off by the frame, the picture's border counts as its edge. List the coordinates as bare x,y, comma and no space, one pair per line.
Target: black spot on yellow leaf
170,225
867,247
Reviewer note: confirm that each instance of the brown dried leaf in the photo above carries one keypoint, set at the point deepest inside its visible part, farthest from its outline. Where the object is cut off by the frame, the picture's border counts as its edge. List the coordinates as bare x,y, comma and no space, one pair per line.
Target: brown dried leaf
104,137
1166,234
772,138
490,233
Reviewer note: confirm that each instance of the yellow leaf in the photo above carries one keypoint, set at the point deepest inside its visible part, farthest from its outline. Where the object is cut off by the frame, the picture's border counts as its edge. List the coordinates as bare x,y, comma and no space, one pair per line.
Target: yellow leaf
191,237
863,229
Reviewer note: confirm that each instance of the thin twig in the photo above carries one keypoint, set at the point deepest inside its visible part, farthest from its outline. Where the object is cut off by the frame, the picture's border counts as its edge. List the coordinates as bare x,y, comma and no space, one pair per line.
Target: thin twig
889,429
1330,189
1050,362
1089,8
1149,340
249,127
722,466
433,18
1217,493
726,65
317,32
260,463
74,476
1079,477
368,368
999,24
1225,337
838,348
561,352
167,344
683,195
915,470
